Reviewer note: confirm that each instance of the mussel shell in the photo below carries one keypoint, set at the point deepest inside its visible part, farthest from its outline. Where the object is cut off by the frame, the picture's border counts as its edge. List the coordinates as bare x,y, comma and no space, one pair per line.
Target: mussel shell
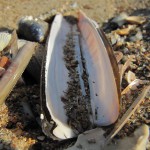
32,29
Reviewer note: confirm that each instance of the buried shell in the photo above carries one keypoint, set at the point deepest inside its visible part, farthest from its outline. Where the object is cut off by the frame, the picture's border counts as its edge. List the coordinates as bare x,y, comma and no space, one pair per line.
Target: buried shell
80,83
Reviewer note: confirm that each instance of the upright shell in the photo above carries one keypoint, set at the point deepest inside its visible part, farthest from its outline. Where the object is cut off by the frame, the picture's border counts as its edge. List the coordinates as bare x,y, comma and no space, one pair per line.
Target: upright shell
80,87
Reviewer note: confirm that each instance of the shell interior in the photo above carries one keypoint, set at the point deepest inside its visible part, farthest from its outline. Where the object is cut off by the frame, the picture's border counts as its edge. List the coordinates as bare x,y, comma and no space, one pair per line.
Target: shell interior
81,90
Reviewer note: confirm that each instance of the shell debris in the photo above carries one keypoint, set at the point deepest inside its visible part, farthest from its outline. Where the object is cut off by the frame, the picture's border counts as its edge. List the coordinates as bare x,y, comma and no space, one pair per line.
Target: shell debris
5,38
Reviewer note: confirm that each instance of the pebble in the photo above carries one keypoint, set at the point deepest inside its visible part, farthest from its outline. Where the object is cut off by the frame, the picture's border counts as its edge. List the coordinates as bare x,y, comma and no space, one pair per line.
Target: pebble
41,138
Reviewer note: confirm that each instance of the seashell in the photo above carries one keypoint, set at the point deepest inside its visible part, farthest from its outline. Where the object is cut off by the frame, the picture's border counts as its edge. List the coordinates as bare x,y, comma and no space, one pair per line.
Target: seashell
5,38
135,19
15,69
125,31
137,141
33,29
120,19
125,66
80,81
130,76
118,55
21,43
132,86
11,48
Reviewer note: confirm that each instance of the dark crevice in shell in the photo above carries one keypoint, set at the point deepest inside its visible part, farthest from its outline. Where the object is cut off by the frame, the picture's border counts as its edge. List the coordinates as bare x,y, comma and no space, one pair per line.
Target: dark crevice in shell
73,99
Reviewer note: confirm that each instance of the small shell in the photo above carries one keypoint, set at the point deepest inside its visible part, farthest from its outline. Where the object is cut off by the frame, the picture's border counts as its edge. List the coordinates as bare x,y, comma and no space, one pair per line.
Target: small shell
120,19
130,76
21,43
136,19
118,55
4,40
125,31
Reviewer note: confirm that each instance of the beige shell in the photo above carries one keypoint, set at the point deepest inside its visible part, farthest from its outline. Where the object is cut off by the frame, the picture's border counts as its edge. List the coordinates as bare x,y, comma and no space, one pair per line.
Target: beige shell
4,40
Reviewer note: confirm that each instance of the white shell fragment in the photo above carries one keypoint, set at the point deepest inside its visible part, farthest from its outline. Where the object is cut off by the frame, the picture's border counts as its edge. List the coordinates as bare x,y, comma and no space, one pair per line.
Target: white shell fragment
4,40
21,43
94,140
120,19
90,140
99,100
130,76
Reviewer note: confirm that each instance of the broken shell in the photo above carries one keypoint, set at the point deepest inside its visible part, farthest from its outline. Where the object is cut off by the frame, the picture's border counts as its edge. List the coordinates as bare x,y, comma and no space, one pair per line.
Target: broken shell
15,69
132,86
81,77
118,55
120,19
33,29
5,38
136,19
21,43
130,76
125,31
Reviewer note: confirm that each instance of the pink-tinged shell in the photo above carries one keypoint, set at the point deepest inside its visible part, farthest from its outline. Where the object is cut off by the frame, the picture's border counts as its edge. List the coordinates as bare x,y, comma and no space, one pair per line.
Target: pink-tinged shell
103,70
101,67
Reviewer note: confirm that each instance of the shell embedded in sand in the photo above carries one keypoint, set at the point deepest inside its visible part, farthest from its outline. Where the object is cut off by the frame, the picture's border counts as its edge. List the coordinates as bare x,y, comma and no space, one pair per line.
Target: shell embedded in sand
81,79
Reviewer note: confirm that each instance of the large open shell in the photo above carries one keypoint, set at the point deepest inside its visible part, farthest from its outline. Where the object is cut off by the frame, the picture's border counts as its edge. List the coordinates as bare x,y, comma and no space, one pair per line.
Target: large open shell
101,67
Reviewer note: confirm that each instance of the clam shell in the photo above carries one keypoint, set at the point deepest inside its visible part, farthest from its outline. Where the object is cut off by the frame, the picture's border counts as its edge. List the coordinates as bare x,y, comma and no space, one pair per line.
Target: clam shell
4,40
33,29
93,54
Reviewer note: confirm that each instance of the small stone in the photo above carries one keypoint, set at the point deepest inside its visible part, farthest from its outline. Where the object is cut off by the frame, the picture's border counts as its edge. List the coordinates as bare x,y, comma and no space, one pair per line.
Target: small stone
41,138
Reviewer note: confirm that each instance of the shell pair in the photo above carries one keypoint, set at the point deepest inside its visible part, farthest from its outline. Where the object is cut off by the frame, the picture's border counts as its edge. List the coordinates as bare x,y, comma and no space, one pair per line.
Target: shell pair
80,80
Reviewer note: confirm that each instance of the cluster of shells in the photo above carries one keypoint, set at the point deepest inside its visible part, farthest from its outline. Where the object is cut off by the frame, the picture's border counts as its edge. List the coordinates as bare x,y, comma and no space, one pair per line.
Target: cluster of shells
81,78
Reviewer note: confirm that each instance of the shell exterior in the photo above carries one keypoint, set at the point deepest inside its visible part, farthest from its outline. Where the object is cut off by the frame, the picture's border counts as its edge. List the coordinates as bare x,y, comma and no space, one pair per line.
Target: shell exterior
15,70
33,29
93,54
4,40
